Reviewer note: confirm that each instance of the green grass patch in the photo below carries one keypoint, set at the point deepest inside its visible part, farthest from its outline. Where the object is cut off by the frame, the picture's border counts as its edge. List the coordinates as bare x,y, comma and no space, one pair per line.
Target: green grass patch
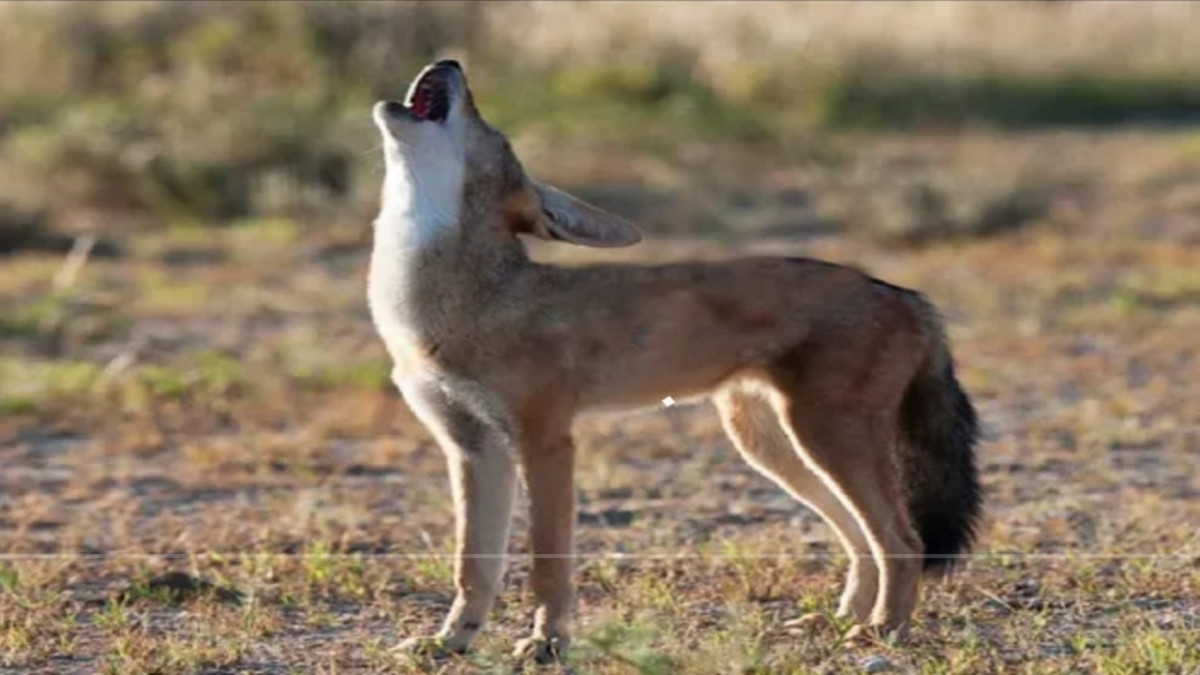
866,100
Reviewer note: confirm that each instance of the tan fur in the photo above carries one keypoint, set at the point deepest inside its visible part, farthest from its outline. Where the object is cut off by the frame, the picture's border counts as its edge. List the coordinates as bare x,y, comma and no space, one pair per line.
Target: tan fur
496,354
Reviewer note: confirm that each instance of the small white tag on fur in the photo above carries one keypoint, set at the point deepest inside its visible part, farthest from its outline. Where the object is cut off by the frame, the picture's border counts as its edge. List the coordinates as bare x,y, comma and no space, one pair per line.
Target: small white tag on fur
668,401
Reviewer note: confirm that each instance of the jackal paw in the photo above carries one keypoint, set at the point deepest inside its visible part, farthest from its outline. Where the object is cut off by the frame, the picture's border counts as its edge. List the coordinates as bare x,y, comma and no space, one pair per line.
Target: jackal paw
431,647
873,634
813,622
542,650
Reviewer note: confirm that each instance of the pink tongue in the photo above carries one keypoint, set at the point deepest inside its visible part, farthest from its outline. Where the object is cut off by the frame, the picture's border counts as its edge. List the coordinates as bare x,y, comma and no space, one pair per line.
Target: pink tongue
420,106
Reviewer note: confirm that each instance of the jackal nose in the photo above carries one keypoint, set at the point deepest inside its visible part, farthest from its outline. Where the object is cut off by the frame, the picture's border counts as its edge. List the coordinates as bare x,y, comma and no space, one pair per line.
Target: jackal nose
448,63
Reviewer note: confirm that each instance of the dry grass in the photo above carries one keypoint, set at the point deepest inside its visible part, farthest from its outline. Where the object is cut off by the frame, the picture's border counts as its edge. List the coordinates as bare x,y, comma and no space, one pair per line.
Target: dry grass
216,409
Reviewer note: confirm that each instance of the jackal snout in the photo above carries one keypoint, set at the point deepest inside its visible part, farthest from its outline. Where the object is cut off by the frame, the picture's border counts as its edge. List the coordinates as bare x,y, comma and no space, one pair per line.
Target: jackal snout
435,94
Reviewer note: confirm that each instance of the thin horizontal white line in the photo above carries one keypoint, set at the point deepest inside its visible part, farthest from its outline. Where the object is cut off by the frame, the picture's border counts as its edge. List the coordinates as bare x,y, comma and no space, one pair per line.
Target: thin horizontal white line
591,556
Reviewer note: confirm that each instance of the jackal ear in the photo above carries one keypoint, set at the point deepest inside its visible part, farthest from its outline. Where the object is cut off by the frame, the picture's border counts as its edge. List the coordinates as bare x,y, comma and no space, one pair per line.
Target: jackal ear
570,219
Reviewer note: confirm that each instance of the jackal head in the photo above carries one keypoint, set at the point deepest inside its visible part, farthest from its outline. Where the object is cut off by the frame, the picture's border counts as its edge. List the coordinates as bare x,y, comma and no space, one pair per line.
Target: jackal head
447,168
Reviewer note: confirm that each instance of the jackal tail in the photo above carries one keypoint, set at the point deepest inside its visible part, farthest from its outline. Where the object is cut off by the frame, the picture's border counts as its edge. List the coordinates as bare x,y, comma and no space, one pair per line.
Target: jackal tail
938,433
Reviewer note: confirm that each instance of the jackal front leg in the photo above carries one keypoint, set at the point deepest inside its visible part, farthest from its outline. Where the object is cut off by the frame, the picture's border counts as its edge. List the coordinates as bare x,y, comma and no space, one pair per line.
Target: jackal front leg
549,473
482,480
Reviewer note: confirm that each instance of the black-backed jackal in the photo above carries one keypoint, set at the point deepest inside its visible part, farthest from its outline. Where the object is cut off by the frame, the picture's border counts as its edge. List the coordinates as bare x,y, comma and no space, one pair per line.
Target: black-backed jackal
837,386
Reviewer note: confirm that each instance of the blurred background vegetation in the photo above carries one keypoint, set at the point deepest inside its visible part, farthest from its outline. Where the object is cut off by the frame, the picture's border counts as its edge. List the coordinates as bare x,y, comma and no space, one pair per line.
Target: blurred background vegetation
188,364
126,117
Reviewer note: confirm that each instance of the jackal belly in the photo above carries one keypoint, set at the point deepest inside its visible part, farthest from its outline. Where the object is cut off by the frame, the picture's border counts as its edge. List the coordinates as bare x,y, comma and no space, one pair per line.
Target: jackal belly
645,377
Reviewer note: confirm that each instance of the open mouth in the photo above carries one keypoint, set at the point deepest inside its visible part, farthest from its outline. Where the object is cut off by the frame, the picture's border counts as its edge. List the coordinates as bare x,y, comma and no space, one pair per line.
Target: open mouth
429,100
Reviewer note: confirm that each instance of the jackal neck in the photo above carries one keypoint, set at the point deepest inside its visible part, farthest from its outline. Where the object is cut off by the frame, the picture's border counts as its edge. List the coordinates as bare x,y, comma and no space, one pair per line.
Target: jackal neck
418,207
471,258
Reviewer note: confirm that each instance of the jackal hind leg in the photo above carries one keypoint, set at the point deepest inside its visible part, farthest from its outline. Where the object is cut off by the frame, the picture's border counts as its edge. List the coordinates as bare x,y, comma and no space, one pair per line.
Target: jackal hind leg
851,451
752,424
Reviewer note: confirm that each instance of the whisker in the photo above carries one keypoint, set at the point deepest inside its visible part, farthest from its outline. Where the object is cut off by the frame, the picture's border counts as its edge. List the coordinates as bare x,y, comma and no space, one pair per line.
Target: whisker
369,151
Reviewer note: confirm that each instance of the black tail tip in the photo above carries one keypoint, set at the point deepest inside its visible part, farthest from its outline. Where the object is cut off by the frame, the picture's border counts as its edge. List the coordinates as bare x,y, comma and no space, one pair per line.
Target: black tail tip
949,535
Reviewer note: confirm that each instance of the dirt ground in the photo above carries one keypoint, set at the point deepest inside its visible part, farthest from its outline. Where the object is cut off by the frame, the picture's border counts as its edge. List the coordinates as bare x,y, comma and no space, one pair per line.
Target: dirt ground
205,469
